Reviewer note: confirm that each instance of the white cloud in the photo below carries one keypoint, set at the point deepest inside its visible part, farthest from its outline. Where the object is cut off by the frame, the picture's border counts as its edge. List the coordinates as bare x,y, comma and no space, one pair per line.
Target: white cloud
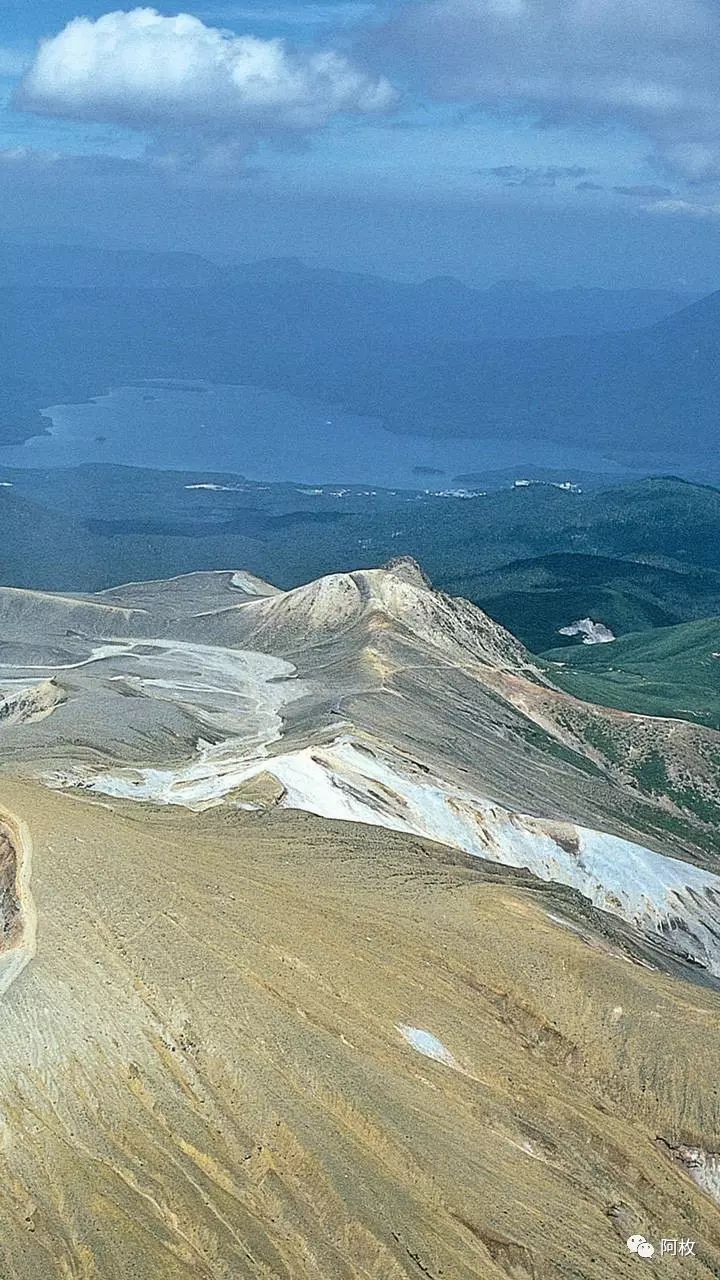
685,208
149,72
649,64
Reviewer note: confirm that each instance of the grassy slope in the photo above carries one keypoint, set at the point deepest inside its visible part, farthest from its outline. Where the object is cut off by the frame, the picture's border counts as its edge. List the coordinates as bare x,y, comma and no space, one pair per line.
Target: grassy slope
671,671
533,598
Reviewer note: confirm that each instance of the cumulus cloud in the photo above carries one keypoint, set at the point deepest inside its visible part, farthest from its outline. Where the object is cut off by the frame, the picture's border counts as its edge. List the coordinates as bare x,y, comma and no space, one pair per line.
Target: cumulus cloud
649,64
176,75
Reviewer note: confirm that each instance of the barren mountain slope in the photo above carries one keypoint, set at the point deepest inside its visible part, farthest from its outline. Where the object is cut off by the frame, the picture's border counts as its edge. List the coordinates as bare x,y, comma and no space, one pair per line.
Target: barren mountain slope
250,1041
214,1066
370,697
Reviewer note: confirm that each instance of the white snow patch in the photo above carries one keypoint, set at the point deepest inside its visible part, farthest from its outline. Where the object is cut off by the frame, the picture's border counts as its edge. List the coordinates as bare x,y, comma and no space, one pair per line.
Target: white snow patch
217,488
703,1167
669,899
427,1044
567,486
591,632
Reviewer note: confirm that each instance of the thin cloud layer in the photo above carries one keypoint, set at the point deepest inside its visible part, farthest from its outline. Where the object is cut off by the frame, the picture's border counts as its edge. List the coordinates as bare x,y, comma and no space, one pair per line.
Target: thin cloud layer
710,212
165,74
516,175
643,191
648,64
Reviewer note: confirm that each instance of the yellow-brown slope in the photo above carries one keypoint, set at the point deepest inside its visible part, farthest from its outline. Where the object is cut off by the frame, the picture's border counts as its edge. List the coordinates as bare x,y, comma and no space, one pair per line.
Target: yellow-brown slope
201,1073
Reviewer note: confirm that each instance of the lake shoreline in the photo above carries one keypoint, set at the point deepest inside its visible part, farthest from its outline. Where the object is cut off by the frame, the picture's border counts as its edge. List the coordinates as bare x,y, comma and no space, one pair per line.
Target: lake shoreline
270,436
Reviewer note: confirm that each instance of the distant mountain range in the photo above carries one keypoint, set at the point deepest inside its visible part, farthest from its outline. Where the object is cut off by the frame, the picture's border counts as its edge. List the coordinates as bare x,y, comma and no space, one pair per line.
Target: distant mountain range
441,305
626,371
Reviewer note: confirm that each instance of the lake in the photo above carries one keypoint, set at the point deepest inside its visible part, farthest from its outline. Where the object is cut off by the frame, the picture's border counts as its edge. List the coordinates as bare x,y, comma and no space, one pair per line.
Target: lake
272,436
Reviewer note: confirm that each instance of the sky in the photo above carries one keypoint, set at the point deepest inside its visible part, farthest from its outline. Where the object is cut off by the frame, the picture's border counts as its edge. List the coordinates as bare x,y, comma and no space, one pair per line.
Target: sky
565,141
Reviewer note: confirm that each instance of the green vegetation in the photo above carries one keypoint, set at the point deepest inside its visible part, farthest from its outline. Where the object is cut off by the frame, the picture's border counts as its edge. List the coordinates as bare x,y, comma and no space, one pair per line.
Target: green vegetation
671,671
537,616
535,558
653,777
651,774
600,737
537,737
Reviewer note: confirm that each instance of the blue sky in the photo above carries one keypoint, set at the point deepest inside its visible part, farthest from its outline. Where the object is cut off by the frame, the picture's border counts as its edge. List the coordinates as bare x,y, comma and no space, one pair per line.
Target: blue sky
483,138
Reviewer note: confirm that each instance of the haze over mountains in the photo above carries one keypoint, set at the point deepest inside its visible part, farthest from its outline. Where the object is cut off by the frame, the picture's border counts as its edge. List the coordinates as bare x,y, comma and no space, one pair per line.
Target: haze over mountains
620,371
512,307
